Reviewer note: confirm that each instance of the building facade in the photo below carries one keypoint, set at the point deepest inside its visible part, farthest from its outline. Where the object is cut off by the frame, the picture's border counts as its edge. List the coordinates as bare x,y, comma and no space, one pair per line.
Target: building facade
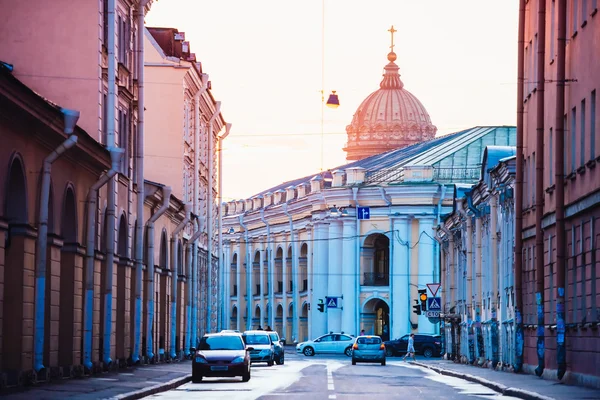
123,260
306,242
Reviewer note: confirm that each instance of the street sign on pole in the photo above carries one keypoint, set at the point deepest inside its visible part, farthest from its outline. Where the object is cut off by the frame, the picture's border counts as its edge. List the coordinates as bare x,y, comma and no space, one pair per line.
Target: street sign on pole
432,314
364,213
331,302
433,288
434,304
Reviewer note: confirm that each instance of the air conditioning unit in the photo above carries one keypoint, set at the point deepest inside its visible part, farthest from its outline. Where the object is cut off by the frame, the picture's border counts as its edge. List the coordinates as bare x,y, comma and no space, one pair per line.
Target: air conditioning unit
180,36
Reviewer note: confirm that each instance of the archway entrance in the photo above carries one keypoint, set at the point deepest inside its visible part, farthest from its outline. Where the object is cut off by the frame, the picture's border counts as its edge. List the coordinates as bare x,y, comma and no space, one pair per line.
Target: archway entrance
375,318
375,262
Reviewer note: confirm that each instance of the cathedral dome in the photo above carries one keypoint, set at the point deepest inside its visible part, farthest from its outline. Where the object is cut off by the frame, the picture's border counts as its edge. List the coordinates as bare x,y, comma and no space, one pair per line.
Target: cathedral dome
389,118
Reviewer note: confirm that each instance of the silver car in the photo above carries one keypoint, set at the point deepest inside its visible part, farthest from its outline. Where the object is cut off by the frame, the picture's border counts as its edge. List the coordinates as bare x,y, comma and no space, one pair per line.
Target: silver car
368,349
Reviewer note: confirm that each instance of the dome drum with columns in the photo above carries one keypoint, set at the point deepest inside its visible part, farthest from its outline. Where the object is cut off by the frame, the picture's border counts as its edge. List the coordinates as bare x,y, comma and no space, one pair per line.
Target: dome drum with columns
389,118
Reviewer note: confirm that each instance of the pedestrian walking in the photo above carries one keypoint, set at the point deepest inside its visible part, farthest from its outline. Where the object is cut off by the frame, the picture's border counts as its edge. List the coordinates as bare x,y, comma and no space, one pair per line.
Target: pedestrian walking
362,332
269,328
410,349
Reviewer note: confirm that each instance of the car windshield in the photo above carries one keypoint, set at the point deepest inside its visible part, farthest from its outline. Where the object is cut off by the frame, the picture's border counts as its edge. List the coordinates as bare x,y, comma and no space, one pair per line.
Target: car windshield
257,339
228,342
368,340
274,337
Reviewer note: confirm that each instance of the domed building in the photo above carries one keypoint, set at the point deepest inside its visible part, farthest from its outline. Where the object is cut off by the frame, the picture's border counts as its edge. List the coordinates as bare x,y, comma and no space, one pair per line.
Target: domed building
389,118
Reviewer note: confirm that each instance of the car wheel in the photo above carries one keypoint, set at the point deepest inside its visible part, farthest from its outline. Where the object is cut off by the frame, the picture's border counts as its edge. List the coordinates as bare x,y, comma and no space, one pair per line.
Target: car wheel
389,352
309,351
353,361
348,351
246,376
428,352
196,378
280,361
270,363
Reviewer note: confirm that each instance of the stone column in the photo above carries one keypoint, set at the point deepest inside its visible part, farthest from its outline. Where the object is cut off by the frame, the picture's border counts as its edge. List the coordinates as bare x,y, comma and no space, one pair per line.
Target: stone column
249,291
349,277
297,307
401,307
238,283
334,278
309,284
317,279
284,297
261,268
426,273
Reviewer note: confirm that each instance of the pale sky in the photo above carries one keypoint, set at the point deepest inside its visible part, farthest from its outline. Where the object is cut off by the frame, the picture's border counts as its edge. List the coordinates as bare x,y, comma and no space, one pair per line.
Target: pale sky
459,58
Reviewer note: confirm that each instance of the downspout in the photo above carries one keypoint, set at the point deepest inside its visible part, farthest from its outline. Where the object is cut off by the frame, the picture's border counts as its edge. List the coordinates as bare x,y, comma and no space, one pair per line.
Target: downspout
70,117
139,233
357,266
115,155
519,339
209,215
220,138
270,275
448,304
478,277
248,268
495,274
190,336
111,100
561,349
539,186
166,195
196,204
175,276
295,294
469,283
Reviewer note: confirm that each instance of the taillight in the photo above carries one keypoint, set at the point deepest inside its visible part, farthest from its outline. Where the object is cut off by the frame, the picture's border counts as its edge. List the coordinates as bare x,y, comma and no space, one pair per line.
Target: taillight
437,343
382,347
355,346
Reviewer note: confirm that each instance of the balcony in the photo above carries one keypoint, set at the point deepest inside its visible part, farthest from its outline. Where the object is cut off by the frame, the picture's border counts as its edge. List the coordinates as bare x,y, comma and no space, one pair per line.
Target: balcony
376,279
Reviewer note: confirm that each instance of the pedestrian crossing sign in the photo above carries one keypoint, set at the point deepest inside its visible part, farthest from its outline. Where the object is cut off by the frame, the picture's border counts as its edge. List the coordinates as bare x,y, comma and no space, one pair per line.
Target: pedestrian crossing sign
332,302
434,304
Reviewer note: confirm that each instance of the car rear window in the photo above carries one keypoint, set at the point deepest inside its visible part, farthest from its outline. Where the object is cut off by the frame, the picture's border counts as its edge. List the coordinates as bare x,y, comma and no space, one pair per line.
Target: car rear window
226,342
368,340
256,339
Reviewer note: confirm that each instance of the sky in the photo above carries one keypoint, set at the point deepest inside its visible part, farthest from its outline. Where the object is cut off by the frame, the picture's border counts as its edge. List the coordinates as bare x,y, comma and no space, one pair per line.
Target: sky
268,61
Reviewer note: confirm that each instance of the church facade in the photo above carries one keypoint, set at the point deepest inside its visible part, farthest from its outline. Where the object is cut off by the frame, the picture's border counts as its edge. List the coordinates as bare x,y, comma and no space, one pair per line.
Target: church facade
348,249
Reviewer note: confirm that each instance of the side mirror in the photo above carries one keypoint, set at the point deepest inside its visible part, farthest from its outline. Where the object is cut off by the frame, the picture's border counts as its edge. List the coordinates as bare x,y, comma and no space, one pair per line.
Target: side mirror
249,348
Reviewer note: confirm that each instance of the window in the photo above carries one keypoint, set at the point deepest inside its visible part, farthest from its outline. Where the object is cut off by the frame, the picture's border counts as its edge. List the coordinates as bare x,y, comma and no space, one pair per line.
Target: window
527,182
573,137
583,12
124,140
535,62
550,159
552,28
593,125
575,16
565,141
103,138
105,22
582,129
533,178
526,73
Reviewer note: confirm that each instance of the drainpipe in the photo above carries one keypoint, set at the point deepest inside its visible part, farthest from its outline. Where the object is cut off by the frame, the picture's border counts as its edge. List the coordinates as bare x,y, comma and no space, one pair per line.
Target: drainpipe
220,139
270,275
115,155
539,186
190,337
357,266
196,203
248,268
139,233
295,294
175,276
561,349
519,339
166,195
451,297
111,101
209,215
469,283
495,274
70,118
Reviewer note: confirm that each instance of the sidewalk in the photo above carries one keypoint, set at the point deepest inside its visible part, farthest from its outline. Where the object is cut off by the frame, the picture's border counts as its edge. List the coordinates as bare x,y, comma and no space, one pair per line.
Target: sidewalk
127,384
523,386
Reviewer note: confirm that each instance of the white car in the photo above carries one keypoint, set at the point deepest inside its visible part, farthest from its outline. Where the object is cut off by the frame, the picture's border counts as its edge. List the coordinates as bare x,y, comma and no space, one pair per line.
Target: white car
331,343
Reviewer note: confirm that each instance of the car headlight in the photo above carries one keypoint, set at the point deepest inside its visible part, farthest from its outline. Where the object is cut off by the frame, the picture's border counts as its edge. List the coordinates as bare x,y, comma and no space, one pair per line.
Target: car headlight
201,360
237,360
265,352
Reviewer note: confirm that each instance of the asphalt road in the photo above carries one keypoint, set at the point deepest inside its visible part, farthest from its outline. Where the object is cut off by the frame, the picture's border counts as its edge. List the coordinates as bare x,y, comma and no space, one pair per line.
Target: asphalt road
334,377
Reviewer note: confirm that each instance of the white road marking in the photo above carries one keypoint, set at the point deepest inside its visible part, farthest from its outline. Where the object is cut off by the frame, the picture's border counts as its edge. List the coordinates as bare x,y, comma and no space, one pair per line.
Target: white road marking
332,396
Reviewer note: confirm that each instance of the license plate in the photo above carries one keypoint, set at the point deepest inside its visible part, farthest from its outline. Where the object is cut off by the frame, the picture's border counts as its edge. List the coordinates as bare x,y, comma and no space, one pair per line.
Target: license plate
219,368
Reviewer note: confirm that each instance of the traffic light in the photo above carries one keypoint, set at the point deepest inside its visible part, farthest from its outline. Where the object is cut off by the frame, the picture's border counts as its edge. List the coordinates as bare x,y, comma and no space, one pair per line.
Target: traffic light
321,305
417,308
423,299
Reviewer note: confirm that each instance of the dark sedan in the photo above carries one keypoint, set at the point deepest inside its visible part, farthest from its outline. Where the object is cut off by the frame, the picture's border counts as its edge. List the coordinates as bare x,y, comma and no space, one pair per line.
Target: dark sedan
426,345
221,355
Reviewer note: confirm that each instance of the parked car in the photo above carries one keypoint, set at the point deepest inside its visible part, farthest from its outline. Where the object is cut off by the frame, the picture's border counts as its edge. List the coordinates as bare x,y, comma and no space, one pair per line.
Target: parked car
222,355
426,345
331,343
368,349
262,346
279,354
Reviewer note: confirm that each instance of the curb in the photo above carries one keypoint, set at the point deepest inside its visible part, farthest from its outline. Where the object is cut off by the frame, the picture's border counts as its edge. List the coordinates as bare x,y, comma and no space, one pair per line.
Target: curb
161,387
498,387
